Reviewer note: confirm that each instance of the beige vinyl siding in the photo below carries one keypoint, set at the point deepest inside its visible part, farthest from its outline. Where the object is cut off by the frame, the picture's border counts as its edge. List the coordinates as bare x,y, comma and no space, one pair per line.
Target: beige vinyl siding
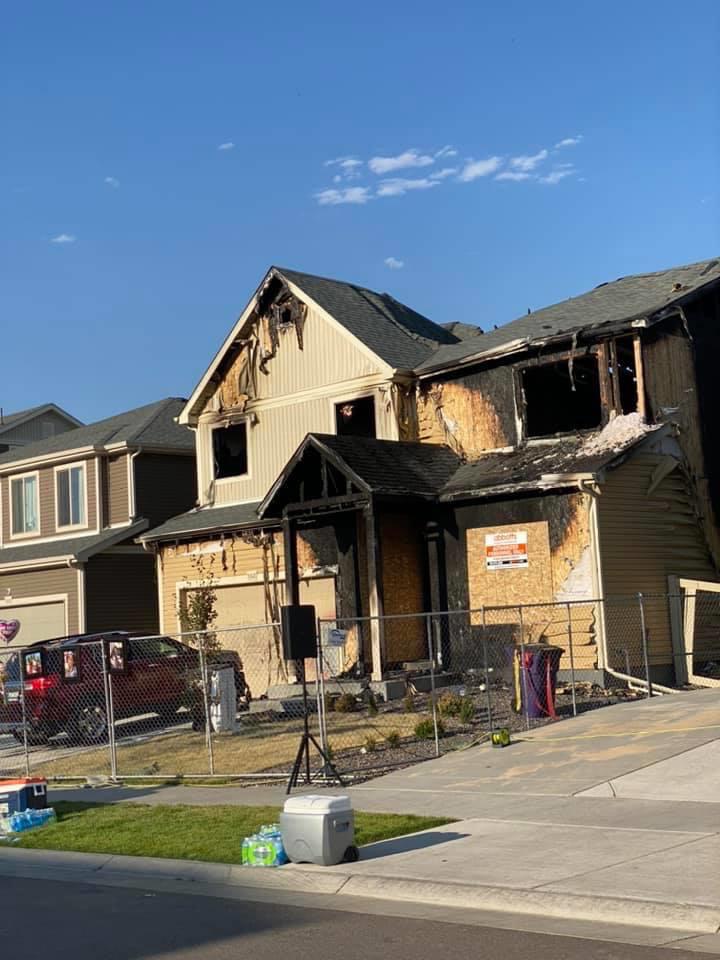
121,593
643,540
164,486
5,508
57,581
115,489
272,441
46,497
328,355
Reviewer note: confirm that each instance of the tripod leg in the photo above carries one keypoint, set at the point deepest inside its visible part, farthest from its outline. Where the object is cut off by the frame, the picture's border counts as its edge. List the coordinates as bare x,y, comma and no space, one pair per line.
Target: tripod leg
329,765
292,782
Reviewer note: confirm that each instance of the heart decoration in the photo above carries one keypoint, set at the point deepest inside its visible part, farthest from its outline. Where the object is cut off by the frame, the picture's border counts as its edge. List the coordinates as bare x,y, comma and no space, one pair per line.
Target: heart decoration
9,629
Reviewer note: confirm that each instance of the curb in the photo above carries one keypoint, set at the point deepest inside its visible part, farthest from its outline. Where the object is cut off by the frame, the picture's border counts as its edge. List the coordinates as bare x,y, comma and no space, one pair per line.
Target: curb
96,868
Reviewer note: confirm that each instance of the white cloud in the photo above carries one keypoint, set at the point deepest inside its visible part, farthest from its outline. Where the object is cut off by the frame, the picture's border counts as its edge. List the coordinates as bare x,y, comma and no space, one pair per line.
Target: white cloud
112,182
514,175
479,168
442,174
447,151
63,238
569,142
333,197
337,178
349,168
397,186
526,163
227,146
556,176
410,158
393,263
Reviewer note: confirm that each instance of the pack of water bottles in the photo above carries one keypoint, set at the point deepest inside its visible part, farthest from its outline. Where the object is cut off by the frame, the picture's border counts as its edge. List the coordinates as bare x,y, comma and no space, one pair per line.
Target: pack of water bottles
23,820
264,848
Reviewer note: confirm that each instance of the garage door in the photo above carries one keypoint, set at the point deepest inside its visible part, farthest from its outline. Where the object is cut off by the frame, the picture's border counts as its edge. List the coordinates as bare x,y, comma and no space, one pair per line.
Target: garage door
243,605
38,621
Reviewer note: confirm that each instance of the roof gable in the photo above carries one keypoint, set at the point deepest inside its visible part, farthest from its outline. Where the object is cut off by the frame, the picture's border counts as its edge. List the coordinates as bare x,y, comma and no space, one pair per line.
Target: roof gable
10,421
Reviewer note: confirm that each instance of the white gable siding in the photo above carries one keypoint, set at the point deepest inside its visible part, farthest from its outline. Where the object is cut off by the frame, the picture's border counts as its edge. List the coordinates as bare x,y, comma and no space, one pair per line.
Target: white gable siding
279,431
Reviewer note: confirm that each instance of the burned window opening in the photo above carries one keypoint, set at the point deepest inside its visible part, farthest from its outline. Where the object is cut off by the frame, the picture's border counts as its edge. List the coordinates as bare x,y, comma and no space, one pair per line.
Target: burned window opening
355,418
561,399
627,384
230,454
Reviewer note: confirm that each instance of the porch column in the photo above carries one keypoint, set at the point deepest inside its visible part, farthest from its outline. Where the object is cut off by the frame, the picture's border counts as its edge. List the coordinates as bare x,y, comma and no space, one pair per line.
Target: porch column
292,584
375,589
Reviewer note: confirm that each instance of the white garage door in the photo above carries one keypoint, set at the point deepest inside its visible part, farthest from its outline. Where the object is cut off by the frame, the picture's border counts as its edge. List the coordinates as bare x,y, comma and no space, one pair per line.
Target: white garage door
38,621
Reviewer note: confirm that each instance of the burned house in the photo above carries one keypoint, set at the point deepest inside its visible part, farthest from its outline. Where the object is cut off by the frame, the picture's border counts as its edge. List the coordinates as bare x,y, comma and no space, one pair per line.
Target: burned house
353,454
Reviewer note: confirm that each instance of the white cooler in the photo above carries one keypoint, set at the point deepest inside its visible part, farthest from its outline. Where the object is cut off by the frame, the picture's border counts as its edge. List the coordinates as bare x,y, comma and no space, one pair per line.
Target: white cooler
317,829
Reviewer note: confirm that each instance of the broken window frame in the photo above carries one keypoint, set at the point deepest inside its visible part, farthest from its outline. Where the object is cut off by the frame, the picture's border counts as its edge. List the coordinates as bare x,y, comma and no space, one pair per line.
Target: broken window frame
611,399
569,357
229,425
337,404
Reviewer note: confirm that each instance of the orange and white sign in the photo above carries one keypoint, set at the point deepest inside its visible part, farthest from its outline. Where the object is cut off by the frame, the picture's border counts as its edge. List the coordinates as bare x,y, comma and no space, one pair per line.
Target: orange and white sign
506,551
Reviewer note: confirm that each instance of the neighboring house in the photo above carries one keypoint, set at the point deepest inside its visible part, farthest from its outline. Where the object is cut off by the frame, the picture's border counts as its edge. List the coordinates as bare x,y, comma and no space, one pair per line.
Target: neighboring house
355,455
71,506
37,423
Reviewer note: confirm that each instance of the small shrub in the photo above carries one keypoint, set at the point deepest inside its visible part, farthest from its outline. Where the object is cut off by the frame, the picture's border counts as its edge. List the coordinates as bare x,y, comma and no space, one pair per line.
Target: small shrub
372,707
370,744
425,729
393,738
467,710
450,704
330,701
409,703
345,703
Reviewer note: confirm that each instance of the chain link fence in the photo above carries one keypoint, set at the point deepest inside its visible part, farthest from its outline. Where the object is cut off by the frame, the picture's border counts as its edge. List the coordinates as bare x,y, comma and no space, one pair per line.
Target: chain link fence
224,704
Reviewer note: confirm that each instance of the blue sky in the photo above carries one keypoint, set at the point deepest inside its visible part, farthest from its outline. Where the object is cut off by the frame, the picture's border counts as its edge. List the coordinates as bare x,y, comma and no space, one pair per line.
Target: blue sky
129,241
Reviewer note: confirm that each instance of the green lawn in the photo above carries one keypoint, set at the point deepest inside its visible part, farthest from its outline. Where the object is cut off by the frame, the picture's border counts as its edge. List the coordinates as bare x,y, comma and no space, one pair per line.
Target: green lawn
185,833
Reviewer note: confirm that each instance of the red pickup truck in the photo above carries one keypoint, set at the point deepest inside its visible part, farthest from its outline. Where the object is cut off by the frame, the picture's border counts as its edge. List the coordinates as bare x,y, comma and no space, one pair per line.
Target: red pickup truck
161,675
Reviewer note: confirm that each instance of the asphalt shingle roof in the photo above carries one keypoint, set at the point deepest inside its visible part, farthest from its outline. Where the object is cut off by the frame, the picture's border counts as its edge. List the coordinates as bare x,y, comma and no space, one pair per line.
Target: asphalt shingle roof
79,547
152,425
541,464
626,299
204,519
399,335
395,468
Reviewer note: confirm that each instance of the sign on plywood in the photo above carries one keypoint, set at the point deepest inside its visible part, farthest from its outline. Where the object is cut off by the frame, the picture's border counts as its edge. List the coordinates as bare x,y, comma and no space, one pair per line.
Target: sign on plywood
506,551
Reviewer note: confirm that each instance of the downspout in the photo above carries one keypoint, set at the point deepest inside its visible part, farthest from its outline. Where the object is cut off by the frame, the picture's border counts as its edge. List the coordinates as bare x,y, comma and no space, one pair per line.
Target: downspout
590,488
133,496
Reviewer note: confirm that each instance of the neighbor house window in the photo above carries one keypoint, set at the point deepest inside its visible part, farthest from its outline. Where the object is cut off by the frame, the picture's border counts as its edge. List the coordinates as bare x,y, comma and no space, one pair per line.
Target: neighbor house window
355,418
25,510
562,396
70,482
230,453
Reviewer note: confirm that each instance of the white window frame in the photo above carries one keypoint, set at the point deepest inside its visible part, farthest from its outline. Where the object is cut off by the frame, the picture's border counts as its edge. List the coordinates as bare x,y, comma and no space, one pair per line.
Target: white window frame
22,535
240,477
59,469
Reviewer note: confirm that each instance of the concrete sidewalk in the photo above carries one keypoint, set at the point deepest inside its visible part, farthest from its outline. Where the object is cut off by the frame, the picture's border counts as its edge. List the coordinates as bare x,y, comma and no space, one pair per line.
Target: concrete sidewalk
611,817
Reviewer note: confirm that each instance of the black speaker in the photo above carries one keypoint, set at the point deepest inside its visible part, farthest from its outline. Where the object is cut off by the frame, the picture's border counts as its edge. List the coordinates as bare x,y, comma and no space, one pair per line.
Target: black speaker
299,634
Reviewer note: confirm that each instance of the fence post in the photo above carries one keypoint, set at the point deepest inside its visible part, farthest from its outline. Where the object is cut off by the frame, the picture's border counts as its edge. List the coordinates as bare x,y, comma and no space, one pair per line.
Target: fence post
205,679
572,659
431,651
24,714
646,657
320,694
488,695
523,671
109,712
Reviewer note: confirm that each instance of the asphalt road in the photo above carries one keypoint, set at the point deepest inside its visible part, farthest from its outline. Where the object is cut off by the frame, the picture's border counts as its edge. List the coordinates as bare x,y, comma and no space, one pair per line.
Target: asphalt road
72,921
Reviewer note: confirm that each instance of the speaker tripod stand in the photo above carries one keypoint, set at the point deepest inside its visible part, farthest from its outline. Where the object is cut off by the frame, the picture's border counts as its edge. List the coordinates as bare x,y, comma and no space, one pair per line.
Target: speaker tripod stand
307,739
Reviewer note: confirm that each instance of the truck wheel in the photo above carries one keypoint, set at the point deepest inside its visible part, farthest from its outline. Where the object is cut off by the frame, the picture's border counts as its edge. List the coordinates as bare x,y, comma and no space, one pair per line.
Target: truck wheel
90,724
352,855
